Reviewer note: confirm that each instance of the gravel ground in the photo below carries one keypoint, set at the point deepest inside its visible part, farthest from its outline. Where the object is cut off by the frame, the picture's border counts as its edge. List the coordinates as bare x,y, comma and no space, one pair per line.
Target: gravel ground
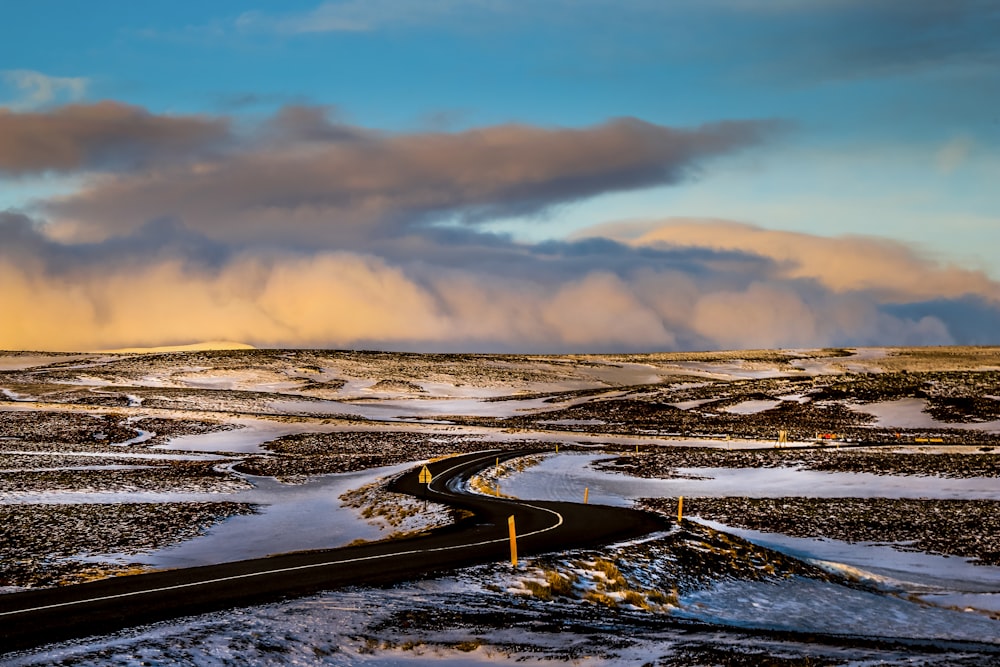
30,556
348,451
170,476
59,430
663,462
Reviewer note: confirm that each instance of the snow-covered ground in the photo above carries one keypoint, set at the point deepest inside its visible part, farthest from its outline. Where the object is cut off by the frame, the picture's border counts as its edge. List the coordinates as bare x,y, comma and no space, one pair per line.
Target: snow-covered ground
472,617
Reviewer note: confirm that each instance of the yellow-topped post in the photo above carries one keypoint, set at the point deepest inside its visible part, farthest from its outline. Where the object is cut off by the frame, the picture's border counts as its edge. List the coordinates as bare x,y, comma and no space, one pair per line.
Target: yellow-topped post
513,540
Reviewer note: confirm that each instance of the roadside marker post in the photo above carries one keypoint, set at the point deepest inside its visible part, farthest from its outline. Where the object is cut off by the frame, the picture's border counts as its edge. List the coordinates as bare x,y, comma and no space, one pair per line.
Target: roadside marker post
680,509
586,494
513,540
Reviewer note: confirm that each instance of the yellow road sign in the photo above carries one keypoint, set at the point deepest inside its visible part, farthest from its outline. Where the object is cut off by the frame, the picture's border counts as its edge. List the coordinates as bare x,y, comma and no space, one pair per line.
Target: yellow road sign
425,476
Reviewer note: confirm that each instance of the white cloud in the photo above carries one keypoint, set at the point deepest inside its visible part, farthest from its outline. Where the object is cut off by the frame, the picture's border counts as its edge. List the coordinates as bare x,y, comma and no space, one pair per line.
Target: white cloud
35,89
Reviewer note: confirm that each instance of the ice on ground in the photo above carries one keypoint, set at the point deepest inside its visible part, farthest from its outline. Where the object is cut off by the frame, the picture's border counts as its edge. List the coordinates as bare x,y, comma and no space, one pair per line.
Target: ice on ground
455,621
808,605
565,476
931,576
965,601
292,517
246,438
908,570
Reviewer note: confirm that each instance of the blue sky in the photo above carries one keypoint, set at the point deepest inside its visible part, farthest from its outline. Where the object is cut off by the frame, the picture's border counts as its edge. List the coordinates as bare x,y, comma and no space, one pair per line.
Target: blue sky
878,119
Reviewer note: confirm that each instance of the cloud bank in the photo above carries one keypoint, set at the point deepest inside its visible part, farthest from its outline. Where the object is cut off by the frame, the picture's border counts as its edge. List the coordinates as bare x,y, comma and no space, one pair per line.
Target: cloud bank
691,297
300,231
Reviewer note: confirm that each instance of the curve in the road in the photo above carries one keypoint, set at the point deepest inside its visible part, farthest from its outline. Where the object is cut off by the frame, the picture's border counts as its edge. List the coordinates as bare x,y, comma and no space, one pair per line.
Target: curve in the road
33,618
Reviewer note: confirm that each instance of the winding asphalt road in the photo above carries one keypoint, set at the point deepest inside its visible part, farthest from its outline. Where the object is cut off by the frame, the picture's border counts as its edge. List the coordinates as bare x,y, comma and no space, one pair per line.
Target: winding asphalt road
32,618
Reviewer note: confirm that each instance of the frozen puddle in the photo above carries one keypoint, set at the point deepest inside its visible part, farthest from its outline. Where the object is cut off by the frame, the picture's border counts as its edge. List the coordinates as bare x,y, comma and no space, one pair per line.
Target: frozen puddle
292,517
246,438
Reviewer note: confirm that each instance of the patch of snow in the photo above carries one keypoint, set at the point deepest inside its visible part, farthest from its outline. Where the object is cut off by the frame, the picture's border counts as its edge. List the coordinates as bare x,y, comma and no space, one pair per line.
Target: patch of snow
12,396
143,436
751,407
246,438
87,381
687,405
730,370
909,413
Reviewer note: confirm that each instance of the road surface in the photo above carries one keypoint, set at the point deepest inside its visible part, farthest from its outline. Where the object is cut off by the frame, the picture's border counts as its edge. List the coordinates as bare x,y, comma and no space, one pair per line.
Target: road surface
32,618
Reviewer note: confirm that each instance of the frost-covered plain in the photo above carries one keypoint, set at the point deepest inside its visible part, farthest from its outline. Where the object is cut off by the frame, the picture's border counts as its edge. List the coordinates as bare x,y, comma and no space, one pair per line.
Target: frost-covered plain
291,447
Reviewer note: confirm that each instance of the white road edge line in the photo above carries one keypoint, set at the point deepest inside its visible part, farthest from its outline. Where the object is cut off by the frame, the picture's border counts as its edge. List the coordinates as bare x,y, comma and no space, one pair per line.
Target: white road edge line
249,575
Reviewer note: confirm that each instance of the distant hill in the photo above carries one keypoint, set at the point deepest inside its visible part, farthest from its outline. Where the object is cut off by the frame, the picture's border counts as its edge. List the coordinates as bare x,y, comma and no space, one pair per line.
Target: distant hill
193,347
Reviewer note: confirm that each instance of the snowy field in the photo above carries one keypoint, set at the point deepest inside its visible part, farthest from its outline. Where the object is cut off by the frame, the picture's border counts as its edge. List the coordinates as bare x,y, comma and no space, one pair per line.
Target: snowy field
302,441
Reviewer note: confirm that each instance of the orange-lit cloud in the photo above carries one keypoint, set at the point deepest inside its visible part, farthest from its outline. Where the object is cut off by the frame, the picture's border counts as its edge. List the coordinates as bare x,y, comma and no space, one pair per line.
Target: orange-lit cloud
349,300
843,264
